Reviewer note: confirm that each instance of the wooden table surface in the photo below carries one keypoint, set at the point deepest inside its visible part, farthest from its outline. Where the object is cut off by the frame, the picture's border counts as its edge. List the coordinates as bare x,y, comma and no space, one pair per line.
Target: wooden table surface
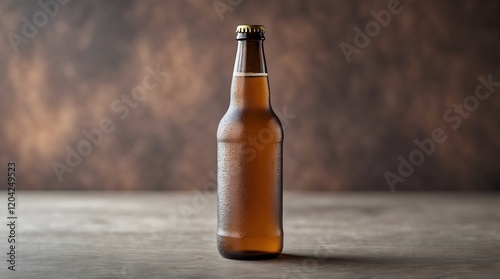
327,235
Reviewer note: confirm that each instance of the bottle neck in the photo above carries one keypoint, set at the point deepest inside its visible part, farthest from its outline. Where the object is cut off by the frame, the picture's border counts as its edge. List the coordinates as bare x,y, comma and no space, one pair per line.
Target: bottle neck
250,86
250,57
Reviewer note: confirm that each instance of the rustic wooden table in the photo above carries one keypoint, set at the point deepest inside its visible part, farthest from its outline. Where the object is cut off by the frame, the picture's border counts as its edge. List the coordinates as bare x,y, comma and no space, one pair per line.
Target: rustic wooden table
327,235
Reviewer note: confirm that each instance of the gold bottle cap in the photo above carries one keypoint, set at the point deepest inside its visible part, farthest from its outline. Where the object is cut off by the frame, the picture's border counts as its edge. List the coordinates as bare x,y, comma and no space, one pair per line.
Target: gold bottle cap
250,29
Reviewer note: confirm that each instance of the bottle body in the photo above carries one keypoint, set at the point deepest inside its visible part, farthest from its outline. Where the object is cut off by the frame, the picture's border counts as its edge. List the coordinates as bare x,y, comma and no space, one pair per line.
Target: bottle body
249,167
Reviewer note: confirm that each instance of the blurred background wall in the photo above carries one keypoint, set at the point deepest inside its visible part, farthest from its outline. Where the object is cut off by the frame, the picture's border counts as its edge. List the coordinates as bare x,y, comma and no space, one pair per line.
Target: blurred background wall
69,67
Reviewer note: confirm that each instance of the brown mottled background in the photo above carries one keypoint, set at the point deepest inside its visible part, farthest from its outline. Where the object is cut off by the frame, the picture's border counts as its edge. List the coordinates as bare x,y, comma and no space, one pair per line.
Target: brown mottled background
352,120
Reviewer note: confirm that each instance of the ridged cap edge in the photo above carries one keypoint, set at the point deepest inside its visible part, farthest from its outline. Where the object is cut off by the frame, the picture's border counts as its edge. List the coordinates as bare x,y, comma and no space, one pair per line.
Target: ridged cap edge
250,29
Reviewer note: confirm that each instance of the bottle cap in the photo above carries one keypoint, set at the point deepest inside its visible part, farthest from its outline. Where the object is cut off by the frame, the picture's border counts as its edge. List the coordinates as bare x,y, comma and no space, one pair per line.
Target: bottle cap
250,32
244,28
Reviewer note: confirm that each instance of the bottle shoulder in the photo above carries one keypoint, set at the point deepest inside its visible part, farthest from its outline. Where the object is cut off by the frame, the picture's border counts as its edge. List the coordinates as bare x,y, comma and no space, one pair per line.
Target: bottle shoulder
242,124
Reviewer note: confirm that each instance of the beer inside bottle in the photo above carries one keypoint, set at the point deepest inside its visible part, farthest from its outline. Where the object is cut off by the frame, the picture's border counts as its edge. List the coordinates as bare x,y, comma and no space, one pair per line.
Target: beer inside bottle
249,159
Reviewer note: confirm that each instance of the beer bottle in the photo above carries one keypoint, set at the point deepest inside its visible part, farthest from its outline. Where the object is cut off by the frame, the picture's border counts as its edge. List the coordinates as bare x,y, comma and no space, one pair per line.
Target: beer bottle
249,159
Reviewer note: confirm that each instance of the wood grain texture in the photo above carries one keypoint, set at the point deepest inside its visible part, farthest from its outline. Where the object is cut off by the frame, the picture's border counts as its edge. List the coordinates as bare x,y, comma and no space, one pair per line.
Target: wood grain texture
327,235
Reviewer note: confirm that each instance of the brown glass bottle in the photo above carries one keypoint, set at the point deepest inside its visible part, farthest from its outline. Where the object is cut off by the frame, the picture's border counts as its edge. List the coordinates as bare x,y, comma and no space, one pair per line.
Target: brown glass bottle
249,159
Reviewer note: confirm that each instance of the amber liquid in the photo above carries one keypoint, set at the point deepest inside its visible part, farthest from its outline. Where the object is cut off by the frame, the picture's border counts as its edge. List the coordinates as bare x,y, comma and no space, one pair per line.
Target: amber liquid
249,156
